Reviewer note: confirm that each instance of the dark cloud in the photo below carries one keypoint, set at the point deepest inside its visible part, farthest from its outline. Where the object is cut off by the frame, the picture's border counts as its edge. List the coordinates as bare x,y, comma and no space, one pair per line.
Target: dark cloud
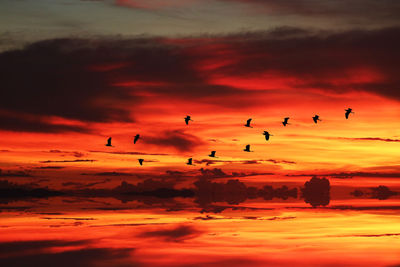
209,162
100,80
68,218
66,161
23,246
219,173
177,139
344,175
213,173
20,254
357,9
111,174
269,219
13,122
130,153
176,234
367,235
50,167
370,139
85,185
12,173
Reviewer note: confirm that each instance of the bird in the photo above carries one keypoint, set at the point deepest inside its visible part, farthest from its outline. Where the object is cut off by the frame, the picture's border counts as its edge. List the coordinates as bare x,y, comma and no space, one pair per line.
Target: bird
212,154
247,149
248,123
267,135
141,161
187,119
316,118
285,121
109,142
136,138
190,161
348,111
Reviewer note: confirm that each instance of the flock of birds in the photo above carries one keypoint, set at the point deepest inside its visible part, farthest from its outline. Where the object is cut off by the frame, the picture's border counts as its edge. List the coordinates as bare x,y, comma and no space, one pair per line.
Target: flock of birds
248,122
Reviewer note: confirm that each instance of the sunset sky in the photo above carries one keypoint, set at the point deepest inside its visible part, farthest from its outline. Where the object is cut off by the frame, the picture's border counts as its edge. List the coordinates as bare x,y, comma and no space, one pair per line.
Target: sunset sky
75,72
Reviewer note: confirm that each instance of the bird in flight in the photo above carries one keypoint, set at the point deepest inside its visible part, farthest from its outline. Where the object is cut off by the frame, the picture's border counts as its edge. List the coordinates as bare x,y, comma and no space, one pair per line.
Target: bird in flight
187,119
285,121
316,118
348,111
212,154
141,161
190,161
109,142
267,135
136,138
247,149
248,123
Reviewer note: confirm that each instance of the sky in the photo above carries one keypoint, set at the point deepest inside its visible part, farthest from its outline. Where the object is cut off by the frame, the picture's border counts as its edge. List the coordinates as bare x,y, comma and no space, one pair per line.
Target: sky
74,73
77,72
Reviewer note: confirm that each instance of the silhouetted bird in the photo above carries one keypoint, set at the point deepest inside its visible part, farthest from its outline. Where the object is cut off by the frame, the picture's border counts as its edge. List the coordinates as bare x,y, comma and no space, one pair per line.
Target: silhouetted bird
136,138
316,118
285,121
109,142
212,154
141,161
187,119
267,135
348,111
190,161
247,149
248,123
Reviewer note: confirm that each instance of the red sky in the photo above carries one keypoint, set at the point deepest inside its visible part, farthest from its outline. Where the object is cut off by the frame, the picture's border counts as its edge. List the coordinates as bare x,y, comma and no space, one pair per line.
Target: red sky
63,98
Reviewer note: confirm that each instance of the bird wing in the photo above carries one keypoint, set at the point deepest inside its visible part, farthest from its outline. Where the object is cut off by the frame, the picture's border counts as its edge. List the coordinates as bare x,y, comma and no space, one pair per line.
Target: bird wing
248,121
187,121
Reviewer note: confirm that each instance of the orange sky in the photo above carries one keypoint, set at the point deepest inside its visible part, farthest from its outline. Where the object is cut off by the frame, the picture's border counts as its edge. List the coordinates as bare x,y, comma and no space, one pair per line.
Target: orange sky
66,113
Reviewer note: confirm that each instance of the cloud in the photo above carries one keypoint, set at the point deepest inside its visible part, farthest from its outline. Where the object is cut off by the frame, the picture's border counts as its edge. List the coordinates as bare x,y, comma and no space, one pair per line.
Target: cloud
68,218
177,139
129,153
209,162
369,139
12,173
176,234
85,185
66,161
50,167
367,235
367,9
344,175
83,81
111,174
19,254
